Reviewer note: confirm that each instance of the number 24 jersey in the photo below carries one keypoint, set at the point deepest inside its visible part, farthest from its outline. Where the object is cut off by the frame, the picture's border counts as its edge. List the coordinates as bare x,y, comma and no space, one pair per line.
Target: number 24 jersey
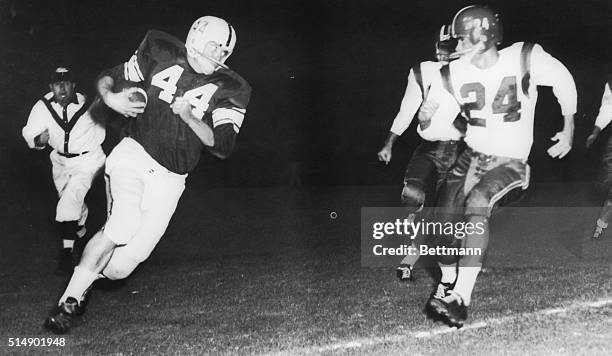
500,115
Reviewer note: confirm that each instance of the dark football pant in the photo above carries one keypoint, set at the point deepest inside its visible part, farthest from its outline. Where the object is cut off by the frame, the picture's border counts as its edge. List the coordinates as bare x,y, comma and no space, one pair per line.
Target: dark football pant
427,169
473,190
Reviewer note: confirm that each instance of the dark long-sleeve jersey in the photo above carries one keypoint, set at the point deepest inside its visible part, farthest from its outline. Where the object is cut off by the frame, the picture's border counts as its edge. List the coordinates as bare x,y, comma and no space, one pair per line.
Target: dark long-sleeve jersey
220,99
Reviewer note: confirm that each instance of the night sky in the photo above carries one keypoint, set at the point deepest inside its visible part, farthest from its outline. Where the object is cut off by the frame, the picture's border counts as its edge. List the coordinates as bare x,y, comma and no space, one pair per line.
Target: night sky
327,76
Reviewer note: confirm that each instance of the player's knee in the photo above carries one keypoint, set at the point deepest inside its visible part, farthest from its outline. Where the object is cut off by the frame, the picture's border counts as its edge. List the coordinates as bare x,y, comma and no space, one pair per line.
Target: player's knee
122,224
68,209
413,196
120,266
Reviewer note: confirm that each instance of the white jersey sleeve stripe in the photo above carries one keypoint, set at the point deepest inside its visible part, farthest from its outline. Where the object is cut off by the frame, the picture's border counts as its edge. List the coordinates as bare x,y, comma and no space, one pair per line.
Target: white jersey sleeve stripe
224,116
132,70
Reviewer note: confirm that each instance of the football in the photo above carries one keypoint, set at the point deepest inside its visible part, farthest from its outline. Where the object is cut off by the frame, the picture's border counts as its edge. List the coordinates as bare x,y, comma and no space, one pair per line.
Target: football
137,96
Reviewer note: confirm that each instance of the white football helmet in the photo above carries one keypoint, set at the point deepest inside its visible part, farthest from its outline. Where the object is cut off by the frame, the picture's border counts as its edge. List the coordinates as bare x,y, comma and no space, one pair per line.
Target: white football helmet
211,28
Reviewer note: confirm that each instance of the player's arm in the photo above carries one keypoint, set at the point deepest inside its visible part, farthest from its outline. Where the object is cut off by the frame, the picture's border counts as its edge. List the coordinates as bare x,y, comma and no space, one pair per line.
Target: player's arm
120,101
604,117
184,110
227,120
549,71
410,104
135,69
36,132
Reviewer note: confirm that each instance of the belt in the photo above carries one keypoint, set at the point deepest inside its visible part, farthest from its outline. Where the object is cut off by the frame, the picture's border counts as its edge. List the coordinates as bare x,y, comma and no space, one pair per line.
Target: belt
71,155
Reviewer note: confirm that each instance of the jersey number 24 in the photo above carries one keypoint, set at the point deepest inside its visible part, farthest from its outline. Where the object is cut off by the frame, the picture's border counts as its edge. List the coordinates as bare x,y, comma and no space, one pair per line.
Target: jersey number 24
199,97
505,101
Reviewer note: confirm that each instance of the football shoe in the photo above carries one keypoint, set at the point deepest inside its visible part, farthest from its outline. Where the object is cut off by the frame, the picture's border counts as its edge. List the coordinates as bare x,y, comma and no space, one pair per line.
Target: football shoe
450,308
62,318
405,273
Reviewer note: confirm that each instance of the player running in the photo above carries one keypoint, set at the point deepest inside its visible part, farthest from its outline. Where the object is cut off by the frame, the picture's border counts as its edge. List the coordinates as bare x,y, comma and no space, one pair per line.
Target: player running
432,159
497,90
61,120
194,102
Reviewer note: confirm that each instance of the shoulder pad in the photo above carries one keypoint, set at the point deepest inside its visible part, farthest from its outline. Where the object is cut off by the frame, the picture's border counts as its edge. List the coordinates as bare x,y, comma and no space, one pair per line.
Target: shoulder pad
161,45
238,86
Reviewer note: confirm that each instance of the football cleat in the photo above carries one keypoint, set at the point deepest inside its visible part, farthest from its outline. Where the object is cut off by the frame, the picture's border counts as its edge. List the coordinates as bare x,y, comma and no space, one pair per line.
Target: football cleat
62,319
450,308
405,273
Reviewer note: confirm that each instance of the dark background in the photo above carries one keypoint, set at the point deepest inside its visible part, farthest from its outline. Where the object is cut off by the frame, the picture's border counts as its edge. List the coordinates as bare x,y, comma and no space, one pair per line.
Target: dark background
327,77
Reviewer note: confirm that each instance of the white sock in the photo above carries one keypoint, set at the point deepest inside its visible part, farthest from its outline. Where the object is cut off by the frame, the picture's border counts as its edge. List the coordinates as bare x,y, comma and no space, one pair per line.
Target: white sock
68,244
449,273
411,259
466,279
81,279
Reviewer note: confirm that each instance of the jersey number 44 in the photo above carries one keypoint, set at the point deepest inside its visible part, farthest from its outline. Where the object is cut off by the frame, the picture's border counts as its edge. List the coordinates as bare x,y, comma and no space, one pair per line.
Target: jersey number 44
199,97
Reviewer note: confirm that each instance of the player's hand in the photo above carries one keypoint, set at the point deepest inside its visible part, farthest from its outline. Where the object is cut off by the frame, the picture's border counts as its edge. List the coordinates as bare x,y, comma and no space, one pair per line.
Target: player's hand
43,139
384,155
121,103
426,112
182,108
592,137
563,145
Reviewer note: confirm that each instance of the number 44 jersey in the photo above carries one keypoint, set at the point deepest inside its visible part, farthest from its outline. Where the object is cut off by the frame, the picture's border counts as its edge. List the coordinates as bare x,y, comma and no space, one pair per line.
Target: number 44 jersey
220,99
499,102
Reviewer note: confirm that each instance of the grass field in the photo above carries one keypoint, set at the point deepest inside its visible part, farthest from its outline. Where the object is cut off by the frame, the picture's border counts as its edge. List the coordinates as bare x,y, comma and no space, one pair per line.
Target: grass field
267,271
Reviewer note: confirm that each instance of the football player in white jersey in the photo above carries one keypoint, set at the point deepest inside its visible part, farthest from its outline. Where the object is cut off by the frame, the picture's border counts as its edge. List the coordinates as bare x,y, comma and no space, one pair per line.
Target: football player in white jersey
497,90
441,145
605,172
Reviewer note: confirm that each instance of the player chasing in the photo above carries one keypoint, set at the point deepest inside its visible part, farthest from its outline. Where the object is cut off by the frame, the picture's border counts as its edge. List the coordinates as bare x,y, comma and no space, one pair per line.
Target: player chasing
497,90
442,141
61,119
605,174
194,101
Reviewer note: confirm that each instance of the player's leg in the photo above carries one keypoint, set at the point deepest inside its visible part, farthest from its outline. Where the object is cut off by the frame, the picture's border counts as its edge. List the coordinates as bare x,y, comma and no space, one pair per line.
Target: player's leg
161,201
71,208
66,214
419,172
604,180
123,222
604,217
449,208
445,161
506,176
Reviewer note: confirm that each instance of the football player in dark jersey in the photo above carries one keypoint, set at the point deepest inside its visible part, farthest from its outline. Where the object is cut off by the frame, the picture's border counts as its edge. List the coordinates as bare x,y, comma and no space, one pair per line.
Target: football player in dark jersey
194,102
